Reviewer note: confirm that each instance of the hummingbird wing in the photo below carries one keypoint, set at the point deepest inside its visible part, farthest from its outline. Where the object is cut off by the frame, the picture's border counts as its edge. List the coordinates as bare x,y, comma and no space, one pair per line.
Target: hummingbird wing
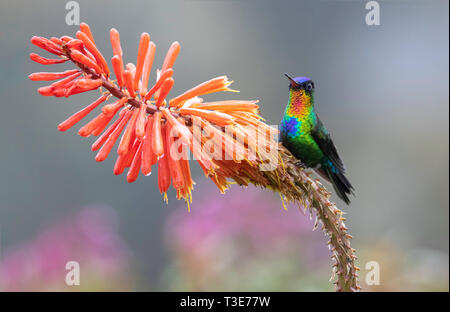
323,139
334,172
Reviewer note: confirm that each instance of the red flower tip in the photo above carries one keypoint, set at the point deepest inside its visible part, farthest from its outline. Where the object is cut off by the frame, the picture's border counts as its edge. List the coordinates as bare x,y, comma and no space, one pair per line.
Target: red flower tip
171,56
115,42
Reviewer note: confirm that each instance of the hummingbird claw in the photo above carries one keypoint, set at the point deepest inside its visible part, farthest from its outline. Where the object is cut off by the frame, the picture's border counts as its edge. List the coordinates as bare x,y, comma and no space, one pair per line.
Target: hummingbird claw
301,164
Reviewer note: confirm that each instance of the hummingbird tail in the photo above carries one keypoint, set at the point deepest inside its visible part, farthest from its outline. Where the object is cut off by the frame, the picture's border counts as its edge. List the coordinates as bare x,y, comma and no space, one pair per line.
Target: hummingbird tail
341,184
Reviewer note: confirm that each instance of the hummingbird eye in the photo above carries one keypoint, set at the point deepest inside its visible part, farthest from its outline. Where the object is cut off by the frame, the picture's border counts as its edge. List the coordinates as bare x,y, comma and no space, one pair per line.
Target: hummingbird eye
309,87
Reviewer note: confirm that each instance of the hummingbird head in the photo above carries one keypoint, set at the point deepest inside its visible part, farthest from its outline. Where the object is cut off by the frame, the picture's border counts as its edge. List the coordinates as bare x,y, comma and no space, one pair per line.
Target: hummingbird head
301,83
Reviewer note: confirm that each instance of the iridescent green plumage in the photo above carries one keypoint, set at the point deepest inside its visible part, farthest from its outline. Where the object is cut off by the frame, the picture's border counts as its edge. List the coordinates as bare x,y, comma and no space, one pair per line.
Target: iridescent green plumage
302,132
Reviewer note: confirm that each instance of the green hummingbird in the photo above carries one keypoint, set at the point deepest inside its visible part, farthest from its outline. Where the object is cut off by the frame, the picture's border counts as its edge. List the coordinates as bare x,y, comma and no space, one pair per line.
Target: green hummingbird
304,135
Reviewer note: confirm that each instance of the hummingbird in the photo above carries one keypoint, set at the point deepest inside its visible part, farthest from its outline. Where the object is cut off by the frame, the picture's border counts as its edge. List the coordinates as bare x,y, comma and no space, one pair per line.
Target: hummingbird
305,136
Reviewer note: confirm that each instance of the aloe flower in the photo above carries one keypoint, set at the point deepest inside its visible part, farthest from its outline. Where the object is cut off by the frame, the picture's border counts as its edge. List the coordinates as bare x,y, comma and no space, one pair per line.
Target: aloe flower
229,139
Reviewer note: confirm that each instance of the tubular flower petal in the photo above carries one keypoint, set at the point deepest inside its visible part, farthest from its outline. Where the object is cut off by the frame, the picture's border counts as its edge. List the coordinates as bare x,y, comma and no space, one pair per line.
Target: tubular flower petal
79,57
45,61
164,91
149,57
157,139
87,30
165,75
126,138
52,76
106,148
147,151
128,78
135,165
117,64
72,120
115,42
140,122
47,45
163,170
218,118
90,46
171,56
172,155
105,135
142,52
210,86
113,108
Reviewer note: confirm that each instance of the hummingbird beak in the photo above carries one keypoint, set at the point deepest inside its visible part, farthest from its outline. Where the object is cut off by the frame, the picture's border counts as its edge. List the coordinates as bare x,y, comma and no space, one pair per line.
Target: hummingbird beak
293,83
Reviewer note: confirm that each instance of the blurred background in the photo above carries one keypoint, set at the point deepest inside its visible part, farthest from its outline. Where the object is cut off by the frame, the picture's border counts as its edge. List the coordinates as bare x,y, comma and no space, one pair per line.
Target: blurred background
381,90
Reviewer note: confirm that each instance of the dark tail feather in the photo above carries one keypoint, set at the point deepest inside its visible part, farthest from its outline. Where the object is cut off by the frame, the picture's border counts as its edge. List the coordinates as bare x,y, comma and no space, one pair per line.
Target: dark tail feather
340,183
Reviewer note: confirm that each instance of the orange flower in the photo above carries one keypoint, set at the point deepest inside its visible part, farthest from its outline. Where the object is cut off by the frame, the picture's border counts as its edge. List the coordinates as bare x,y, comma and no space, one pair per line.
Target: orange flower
157,139
113,108
149,57
72,120
218,118
87,30
171,56
163,170
210,86
174,163
105,135
147,151
90,46
135,165
153,134
128,78
233,105
126,138
164,91
117,64
52,76
88,128
140,122
45,61
142,52
165,75
185,134
115,42
47,45
106,148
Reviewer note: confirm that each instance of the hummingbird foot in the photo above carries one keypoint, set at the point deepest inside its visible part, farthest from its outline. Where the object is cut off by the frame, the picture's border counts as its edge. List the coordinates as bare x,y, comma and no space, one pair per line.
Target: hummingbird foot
301,164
